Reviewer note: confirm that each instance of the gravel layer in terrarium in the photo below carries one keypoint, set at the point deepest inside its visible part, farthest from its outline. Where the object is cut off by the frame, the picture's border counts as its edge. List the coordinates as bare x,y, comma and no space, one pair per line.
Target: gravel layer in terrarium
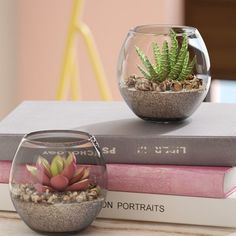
167,100
55,211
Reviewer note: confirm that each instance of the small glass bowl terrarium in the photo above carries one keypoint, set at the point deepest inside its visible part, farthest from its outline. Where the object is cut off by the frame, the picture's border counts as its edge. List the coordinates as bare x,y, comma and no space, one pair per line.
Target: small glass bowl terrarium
58,180
163,71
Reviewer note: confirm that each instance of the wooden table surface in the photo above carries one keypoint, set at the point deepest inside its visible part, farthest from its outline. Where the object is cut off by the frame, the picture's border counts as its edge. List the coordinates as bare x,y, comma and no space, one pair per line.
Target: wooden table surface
10,224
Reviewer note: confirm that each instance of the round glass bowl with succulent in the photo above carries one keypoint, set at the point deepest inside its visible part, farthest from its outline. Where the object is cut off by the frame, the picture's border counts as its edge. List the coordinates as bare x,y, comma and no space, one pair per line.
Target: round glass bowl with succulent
58,180
163,72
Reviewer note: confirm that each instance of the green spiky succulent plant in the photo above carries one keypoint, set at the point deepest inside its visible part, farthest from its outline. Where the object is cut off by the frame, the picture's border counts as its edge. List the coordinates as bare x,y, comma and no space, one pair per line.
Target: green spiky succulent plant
172,63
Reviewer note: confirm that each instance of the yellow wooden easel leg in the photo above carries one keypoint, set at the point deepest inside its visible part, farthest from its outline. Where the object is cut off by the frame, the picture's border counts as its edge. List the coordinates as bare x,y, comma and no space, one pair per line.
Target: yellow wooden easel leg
95,61
74,76
69,75
64,82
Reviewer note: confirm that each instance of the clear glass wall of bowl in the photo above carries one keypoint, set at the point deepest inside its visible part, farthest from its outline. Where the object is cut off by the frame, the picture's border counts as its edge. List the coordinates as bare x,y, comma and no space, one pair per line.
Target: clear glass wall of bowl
156,91
58,180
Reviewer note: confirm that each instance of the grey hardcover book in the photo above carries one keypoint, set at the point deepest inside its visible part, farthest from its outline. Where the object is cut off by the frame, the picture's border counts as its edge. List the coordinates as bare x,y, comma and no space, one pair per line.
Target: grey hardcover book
208,137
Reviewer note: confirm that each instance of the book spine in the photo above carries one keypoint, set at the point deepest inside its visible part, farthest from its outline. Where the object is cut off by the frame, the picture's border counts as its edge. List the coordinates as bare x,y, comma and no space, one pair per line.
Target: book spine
176,180
169,209
208,151
5,167
201,151
5,203
8,146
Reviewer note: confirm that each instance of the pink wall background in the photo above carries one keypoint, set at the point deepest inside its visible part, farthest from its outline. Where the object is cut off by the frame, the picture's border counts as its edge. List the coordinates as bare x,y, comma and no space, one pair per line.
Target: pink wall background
42,32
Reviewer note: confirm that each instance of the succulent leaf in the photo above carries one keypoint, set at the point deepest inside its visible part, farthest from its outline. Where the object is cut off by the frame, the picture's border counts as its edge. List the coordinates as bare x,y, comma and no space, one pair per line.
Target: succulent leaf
86,173
174,74
64,162
78,175
69,170
145,73
146,63
174,49
43,165
32,170
165,66
56,165
42,177
184,72
176,70
71,158
157,57
59,182
81,185
184,46
191,65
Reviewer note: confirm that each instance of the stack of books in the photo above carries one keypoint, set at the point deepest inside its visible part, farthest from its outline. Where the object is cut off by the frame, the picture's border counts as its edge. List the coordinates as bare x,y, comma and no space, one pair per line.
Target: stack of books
163,172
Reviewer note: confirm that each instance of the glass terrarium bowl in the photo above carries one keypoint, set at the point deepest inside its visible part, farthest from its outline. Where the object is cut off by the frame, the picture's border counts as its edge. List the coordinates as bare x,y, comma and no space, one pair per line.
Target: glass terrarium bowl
58,180
163,71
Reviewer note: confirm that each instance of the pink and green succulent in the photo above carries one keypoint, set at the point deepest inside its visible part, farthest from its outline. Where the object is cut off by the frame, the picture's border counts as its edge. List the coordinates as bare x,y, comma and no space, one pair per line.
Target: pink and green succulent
62,174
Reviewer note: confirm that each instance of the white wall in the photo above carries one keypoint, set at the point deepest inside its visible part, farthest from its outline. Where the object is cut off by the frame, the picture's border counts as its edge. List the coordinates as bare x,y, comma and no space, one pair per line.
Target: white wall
8,54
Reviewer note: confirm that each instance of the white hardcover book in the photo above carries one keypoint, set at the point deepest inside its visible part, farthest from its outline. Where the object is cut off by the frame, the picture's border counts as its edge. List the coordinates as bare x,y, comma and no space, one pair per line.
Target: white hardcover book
170,209
158,208
5,199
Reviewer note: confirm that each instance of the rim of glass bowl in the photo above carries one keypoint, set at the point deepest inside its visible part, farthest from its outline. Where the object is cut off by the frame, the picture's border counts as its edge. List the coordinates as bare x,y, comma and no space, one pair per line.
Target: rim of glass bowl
83,138
138,29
